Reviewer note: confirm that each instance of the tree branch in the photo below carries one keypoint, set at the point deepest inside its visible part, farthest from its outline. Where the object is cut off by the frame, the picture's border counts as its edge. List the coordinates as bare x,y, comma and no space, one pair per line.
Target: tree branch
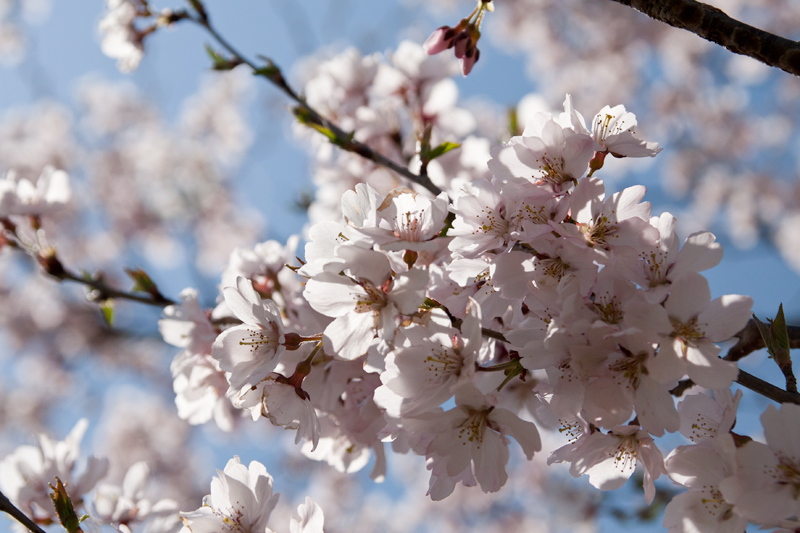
714,25
53,266
7,507
750,340
765,389
309,115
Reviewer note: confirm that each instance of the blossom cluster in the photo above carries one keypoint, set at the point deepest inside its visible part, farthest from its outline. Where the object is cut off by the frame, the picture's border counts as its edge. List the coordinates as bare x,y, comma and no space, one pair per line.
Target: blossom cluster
241,498
520,300
423,320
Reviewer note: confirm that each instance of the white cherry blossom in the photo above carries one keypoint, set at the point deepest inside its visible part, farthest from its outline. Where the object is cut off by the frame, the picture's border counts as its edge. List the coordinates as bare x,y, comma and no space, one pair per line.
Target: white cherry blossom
252,350
241,501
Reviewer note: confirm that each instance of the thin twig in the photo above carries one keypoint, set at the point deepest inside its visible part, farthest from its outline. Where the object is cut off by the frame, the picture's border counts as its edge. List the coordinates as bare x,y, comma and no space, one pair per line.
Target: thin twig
748,381
343,139
7,507
493,334
109,292
768,390
53,266
714,25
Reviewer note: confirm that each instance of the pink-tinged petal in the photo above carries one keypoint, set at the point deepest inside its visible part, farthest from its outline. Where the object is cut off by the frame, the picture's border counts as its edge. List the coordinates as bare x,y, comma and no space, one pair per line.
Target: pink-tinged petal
700,252
490,457
695,512
378,472
655,407
668,364
56,188
782,430
647,317
468,395
578,151
525,433
610,474
690,295
653,463
508,271
628,203
408,291
332,294
696,466
606,403
366,264
585,199
248,355
725,317
203,520
707,369
349,336
754,490
244,309
136,480
96,469
359,206
309,518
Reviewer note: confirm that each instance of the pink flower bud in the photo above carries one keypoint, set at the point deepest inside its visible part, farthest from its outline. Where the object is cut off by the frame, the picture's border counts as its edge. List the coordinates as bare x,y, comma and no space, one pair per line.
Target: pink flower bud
441,39
471,56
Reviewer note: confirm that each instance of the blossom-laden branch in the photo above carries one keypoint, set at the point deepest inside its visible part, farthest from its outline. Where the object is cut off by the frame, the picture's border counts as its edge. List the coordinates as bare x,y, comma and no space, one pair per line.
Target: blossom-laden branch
714,25
305,113
9,508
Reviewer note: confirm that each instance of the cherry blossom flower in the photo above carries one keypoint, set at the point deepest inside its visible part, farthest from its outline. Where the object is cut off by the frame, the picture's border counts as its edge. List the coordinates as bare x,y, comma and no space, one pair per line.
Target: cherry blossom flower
704,419
406,220
283,404
686,328
470,440
126,505
610,458
701,468
765,486
613,128
364,300
547,154
26,473
18,196
241,501
250,351
659,264
433,359
619,221
121,40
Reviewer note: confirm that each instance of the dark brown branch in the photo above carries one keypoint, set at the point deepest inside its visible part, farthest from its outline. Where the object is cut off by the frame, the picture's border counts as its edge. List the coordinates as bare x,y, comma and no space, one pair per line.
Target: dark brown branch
714,25
765,389
53,266
310,116
106,292
748,381
7,507
750,340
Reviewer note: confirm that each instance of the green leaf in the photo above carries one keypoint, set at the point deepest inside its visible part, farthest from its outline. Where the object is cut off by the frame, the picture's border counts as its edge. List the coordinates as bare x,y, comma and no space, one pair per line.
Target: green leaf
215,57
441,150
107,309
780,339
141,280
64,508
304,117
